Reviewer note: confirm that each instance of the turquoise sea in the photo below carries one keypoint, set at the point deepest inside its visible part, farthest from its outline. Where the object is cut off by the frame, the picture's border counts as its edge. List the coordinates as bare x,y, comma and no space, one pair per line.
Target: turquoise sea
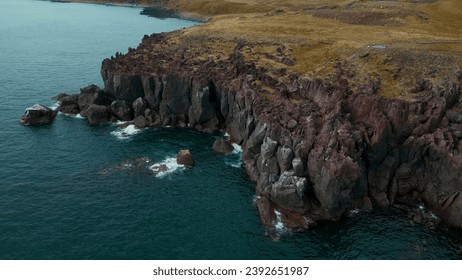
71,191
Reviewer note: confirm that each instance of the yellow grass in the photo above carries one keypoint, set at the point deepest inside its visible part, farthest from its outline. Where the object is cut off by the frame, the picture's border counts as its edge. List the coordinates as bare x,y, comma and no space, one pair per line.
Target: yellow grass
317,43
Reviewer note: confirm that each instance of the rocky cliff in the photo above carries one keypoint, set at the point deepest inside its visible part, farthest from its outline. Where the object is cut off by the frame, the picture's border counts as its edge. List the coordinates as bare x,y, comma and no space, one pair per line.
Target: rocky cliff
377,125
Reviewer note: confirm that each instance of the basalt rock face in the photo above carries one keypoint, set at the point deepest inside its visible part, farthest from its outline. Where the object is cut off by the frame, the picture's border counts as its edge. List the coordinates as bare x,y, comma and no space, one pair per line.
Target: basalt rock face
122,110
329,151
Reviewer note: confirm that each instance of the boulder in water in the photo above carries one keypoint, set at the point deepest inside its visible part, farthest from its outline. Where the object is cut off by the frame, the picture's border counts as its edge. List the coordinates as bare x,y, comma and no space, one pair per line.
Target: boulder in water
184,157
221,146
38,115
140,122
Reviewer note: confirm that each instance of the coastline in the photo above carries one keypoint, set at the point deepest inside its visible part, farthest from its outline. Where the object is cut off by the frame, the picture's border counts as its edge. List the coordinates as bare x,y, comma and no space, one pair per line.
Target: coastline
328,125
164,9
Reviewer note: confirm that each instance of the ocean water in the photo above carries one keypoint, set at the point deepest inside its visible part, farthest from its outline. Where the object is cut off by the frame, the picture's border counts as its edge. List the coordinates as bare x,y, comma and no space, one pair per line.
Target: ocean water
71,191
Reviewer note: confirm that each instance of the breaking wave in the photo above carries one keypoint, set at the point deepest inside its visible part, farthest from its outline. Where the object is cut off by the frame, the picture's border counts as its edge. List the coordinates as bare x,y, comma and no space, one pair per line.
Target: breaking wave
126,132
166,167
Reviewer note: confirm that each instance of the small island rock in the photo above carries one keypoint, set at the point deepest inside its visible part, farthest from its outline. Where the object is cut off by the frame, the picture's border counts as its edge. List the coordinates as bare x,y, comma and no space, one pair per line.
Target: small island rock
184,157
38,115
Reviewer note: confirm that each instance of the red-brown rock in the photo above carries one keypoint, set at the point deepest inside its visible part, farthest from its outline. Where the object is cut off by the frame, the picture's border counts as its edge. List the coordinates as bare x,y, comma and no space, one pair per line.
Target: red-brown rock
185,158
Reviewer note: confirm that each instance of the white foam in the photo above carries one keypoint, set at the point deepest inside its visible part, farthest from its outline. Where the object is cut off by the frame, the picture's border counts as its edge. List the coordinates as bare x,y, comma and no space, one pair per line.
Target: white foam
78,116
427,213
234,159
279,225
166,167
226,135
353,212
237,149
54,106
233,163
125,133
278,229
127,165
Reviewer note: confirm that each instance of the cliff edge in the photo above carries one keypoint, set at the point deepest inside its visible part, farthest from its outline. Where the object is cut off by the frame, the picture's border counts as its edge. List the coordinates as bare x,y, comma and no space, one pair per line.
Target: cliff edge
338,105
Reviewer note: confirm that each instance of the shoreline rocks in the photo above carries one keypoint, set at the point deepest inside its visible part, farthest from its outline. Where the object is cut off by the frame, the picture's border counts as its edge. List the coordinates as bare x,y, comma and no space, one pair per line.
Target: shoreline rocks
316,151
93,103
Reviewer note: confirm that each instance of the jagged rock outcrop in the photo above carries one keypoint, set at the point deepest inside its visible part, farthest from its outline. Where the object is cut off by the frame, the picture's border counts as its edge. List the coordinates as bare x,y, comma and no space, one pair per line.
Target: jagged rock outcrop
91,101
68,104
316,150
38,115
97,105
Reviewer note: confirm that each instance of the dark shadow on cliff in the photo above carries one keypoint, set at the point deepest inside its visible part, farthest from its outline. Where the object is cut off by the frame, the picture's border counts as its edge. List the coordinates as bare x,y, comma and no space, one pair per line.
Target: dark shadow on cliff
164,13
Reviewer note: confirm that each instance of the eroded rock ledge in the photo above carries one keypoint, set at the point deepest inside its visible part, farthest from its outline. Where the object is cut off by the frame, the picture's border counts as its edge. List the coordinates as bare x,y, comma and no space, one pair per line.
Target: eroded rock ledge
315,148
